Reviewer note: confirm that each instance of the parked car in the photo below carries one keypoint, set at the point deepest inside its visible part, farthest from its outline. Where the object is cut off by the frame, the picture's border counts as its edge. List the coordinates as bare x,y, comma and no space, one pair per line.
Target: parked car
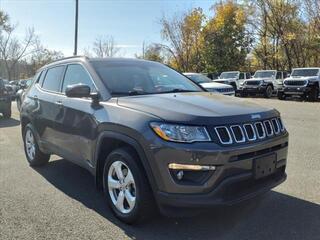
263,82
213,75
5,100
209,85
233,78
303,82
150,135
24,84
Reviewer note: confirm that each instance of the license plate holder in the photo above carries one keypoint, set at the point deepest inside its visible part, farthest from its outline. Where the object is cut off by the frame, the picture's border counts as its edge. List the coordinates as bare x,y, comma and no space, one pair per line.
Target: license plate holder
264,166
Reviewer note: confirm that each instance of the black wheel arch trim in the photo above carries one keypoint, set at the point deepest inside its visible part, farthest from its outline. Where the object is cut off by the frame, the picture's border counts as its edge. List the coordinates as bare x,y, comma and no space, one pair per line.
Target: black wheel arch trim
131,142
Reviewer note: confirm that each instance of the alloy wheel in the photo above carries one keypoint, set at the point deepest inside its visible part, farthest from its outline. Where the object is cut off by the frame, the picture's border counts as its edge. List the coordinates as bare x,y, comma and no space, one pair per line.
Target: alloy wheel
122,187
30,144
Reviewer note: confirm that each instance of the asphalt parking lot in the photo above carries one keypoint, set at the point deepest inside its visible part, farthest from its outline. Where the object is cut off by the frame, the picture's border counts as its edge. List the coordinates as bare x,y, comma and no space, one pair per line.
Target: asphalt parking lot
59,201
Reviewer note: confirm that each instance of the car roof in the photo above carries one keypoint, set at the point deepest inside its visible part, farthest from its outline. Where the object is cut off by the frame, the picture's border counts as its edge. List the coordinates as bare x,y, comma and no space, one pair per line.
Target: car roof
306,68
73,59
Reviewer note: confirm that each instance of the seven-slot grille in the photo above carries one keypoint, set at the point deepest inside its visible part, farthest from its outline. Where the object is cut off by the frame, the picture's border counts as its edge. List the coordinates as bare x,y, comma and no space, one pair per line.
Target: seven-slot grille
295,82
249,132
253,83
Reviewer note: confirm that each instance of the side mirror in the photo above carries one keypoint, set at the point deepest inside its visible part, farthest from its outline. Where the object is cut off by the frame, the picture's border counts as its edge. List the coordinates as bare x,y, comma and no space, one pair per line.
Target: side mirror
78,91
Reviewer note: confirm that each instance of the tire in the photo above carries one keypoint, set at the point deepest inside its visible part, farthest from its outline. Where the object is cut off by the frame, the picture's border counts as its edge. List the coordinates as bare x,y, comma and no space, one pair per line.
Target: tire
7,113
313,94
281,96
139,190
243,94
268,92
34,156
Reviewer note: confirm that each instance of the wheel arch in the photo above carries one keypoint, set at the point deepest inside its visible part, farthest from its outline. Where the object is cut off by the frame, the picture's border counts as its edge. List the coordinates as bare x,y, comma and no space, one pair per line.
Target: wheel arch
109,141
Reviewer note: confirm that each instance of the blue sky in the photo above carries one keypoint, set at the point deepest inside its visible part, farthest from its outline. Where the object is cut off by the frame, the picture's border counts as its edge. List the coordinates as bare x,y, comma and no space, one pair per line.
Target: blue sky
129,22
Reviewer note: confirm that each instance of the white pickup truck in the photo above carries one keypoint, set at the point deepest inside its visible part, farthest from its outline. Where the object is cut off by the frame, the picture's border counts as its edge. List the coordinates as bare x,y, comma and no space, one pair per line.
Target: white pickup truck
304,82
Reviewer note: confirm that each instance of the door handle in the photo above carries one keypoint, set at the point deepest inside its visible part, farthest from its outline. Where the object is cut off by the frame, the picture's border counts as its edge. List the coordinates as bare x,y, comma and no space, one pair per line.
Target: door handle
35,97
59,103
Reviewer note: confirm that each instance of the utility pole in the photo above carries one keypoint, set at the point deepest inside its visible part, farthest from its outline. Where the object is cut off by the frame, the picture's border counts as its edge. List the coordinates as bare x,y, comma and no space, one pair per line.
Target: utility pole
76,29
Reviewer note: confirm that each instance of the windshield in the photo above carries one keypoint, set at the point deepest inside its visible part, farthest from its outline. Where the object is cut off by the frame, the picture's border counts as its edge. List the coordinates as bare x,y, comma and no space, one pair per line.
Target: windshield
264,74
123,78
305,72
229,75
199,78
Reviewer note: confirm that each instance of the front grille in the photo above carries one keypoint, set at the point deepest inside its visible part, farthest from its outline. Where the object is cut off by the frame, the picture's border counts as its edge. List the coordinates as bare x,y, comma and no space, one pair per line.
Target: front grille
223,90
260,130
295,82
269,130
249,132
253,83
224,135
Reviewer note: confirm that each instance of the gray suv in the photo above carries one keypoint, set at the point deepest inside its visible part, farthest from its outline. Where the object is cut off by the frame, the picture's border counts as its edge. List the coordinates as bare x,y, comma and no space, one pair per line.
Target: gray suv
151,137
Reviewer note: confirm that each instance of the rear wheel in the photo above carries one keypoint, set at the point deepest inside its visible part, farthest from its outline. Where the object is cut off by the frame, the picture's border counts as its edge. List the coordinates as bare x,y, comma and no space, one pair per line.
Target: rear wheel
7,113
268,92
126,187
34,156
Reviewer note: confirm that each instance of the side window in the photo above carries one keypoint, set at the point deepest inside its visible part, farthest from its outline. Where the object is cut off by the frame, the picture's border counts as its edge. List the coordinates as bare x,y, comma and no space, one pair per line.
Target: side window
241,76
53,78
75,74
40,79
285,75
248,75
279,75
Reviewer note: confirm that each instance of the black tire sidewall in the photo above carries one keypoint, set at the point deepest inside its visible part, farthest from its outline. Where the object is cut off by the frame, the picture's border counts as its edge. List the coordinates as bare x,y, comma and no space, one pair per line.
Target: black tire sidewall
40,158
267,94
126,157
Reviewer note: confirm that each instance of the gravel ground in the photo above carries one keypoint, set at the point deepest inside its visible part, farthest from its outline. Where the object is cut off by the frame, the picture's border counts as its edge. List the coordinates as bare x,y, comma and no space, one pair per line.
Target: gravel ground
59,201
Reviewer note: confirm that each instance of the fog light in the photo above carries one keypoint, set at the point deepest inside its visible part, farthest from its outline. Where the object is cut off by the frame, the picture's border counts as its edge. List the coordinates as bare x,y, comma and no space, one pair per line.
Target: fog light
177,166
180,175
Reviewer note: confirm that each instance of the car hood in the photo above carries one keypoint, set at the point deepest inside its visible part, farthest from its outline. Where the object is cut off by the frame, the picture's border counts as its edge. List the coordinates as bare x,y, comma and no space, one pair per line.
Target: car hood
196,107
302,78
225,79
214,85
259,79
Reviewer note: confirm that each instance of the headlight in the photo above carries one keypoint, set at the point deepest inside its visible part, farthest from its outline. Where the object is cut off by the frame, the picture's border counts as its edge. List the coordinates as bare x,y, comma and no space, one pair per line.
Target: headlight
181,133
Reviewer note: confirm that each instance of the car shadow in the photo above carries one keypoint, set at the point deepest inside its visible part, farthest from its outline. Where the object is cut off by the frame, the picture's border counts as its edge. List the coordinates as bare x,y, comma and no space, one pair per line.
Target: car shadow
8,122
274,215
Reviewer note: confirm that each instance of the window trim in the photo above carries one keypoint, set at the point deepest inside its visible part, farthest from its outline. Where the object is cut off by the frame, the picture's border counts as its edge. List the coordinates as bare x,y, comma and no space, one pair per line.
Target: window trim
60,79
64,74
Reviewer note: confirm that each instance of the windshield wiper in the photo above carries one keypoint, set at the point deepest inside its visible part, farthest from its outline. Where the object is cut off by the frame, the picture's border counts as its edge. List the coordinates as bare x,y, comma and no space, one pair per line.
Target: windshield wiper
130,93
178,90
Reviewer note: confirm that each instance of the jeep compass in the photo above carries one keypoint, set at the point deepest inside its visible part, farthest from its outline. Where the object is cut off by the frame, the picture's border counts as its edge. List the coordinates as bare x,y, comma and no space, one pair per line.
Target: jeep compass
151,137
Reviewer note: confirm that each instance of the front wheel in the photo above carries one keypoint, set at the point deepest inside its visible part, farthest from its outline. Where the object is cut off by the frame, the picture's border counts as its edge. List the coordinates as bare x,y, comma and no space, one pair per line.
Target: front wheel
34,156
313,94
126,187
268,92
7,113
281,96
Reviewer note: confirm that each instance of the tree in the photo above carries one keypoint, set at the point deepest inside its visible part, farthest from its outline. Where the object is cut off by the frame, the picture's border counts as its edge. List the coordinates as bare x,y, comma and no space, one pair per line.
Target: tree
152,52
105,46
227,42
184,36
12,50
41,57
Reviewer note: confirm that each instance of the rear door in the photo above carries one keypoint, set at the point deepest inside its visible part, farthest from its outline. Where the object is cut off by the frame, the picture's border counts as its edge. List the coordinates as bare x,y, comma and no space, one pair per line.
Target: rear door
78,125
48,108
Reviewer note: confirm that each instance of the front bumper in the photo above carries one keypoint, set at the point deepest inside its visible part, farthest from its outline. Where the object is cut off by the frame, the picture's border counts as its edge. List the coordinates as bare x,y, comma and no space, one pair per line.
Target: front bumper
232,181
295,90
253,89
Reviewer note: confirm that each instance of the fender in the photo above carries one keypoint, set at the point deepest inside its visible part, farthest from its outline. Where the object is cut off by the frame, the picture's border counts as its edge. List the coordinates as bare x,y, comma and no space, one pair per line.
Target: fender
130,141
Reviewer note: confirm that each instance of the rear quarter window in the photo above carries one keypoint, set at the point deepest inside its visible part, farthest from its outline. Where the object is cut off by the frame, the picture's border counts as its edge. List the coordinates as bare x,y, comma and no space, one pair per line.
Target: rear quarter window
52,79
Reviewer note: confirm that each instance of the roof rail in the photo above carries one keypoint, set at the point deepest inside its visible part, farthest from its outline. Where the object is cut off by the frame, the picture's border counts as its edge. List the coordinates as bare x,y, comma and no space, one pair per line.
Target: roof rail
76,56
